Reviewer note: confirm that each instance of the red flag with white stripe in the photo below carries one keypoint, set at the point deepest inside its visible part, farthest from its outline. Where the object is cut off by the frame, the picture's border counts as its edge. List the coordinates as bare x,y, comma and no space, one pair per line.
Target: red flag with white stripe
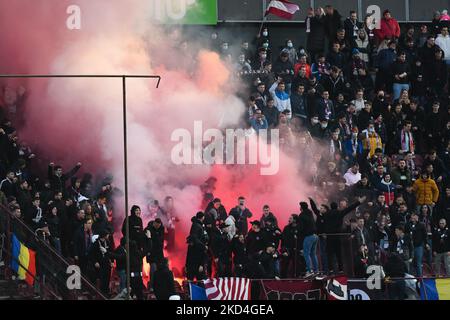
227,289
282,8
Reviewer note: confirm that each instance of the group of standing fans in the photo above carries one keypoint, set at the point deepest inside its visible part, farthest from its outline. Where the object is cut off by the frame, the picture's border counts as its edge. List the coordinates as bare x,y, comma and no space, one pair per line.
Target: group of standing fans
367,113
75,217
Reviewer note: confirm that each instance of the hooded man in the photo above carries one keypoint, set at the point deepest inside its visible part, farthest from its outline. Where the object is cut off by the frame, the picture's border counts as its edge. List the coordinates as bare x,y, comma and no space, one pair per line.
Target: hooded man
135,225
197,248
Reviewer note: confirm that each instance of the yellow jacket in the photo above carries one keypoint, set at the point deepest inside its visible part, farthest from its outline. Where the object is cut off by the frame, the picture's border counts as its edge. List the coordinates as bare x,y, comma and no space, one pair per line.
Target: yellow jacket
426,191
371,142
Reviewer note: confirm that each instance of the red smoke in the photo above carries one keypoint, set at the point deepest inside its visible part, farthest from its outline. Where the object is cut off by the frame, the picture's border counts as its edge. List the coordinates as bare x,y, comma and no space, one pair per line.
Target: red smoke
71,120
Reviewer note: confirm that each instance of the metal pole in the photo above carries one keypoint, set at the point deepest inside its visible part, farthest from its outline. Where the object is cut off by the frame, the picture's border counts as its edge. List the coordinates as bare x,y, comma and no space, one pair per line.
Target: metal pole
125,164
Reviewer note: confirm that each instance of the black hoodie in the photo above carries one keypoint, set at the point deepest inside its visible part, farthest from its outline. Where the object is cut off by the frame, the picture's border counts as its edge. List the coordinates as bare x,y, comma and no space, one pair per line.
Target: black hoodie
334,218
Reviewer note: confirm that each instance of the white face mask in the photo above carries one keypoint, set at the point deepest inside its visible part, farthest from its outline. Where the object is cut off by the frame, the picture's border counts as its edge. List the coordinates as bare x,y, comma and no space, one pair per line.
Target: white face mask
371,130
264,56
241,60
324,126
290,45
314,121
265,34
265,45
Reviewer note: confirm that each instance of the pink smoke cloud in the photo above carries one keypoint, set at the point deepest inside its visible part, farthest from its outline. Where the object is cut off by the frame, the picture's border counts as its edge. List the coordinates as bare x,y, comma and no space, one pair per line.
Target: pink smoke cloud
71,120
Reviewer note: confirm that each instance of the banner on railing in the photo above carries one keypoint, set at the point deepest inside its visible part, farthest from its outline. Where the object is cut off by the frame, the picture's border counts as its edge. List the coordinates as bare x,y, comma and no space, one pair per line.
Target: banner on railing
331,288
358,290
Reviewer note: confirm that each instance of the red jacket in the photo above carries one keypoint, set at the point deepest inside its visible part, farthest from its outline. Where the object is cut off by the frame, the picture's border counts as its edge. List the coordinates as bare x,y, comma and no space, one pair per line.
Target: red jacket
299,65
388,29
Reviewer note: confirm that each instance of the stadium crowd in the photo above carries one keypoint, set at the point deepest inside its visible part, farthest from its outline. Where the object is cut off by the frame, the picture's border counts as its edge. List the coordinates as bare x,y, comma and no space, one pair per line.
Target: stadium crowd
369,108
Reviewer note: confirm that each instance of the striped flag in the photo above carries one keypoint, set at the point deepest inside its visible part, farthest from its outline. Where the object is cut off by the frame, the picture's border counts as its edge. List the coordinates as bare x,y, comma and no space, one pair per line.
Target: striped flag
282,8
228,289
435,289
23,258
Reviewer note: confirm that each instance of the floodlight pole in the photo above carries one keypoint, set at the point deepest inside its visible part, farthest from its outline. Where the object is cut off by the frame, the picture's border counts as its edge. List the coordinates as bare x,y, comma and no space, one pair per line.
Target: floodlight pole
125,143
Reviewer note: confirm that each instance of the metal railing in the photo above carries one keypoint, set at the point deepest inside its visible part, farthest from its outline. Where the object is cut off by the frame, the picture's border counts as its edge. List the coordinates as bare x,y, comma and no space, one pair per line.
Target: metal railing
51,267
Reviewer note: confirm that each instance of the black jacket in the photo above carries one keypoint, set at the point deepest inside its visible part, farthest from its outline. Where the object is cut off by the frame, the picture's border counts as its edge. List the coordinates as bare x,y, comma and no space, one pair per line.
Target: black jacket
399,68
59,183
270,235
316,38
157,243
120,255
395,266
197,241
254,242
8,188
136,228
334,218
268,263
239,250
241,218
441,240
291,238
332,24
334,86
349,27
220,246
299,105
163,283
418,233
97,256
81,244
307,223
284,69
320,220
403,247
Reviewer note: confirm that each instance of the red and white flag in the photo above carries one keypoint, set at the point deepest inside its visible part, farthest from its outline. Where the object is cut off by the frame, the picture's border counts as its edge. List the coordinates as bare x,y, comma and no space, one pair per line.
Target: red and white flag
337,288
282,8
227,289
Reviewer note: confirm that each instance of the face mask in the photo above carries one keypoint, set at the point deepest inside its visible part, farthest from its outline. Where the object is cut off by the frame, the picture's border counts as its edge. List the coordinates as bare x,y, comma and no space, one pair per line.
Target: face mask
324,126
265,34
265,45
241,60
225,47
214,36
290,45
372,130
314,121
264,56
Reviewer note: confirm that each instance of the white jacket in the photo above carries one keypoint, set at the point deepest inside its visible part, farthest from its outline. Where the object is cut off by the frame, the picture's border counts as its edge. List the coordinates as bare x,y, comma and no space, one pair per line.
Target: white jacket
282,101
351,178
444,44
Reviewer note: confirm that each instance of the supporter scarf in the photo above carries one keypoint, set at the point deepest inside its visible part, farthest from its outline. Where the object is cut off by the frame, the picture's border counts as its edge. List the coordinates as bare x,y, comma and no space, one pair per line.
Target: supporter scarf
355,146
38,216
407,145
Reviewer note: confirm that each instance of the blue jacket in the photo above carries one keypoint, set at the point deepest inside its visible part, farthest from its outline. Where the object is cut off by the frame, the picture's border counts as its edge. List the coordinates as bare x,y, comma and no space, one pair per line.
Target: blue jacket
385,59
348,150
258,125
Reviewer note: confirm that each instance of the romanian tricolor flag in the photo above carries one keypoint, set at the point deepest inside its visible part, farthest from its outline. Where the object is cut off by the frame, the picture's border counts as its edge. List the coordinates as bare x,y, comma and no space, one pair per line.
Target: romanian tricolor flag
23,257
435,289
